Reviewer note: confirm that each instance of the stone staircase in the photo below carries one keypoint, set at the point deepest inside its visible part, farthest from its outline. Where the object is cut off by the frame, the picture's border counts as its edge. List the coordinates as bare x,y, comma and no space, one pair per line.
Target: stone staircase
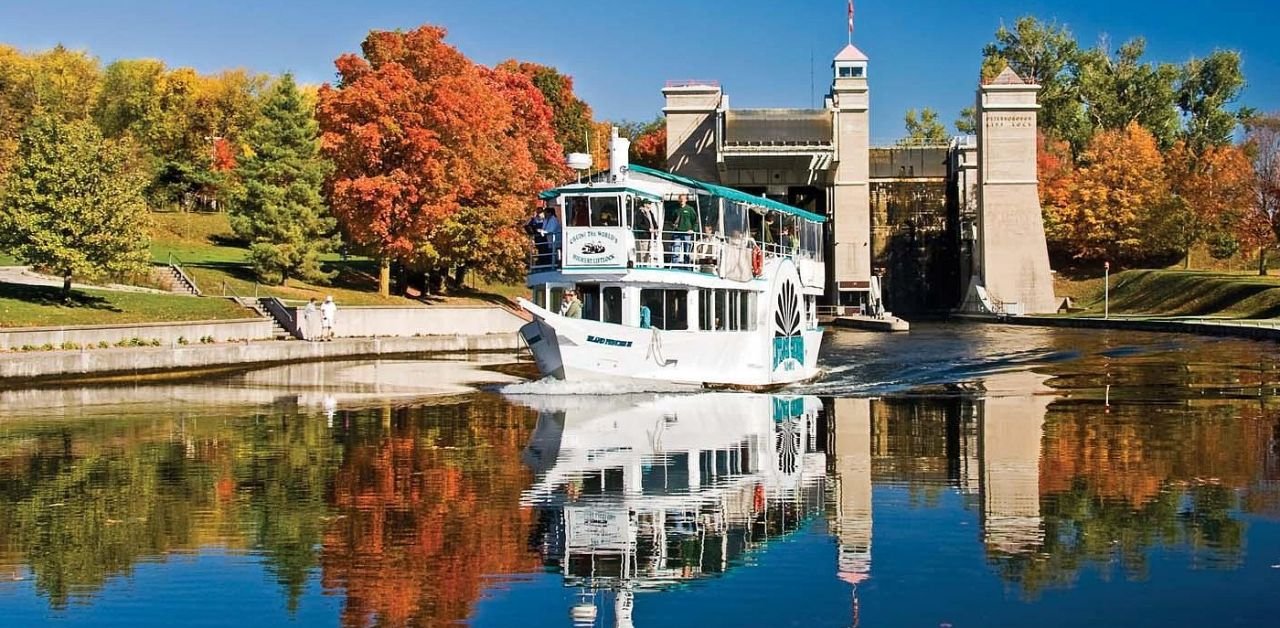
175,280
282,322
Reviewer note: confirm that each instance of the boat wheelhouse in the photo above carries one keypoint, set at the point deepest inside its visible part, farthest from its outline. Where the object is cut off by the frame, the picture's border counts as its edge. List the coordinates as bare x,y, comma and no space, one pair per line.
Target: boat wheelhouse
726,296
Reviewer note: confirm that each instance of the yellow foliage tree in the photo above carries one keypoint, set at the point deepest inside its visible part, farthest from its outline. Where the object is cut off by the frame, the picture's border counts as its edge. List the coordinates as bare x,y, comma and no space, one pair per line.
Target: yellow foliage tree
1119,192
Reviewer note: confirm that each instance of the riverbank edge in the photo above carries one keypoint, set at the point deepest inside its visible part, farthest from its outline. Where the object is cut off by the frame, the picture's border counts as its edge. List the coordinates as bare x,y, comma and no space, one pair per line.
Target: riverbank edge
1231,328
25,369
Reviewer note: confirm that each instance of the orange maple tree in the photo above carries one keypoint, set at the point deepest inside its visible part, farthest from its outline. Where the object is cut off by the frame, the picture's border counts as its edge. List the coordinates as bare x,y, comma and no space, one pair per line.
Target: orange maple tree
650,149
417,132
1057,180
1119,188
1214,190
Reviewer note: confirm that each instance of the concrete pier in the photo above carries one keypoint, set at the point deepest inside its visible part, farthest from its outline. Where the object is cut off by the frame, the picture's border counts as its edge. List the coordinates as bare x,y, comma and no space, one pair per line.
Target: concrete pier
27,367
870,323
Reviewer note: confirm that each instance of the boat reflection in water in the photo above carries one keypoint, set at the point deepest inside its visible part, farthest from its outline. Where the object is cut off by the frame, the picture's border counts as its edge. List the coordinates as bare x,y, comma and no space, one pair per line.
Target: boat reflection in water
639,493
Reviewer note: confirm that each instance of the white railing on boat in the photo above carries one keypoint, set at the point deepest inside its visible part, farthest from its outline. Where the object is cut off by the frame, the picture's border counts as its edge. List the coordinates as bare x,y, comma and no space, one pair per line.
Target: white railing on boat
704,255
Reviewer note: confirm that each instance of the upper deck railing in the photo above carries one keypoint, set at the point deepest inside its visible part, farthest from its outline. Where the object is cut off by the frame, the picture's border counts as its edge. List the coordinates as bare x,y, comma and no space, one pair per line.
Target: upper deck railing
713,255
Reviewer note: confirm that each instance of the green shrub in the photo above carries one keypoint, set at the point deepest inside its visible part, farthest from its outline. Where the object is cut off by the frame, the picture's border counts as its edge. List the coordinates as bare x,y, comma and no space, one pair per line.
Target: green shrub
102,344
70,346
48,346
155,342
182,340
27,348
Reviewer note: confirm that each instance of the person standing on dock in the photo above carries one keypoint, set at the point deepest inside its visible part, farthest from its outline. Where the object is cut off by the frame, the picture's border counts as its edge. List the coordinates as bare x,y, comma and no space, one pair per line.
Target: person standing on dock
328,312
310,318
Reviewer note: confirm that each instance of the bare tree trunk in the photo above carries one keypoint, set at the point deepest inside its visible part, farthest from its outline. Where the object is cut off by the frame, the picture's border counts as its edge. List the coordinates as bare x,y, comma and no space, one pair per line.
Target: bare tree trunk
1262,261
66,287
459,277
384,276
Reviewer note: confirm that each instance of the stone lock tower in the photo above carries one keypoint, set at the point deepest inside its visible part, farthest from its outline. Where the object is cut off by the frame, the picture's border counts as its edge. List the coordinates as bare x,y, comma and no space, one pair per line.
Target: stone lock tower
850,191
1012,259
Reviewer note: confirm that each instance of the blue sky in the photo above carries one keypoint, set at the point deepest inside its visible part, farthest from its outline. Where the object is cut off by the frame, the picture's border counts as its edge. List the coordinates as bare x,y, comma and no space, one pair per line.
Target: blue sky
924,53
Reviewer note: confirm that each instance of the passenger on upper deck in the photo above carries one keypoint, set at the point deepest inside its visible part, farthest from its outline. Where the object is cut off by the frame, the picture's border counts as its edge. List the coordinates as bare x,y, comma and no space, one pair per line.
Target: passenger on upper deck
706,252
787,241
535,230
551,229
767,230
644,227
684,225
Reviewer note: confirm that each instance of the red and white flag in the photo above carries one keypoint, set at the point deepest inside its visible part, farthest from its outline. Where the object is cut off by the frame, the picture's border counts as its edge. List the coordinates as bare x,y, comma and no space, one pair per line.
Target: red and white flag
850,19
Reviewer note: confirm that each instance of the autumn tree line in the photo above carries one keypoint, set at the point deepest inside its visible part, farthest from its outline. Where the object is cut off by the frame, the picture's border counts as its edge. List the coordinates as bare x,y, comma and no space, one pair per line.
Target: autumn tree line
415,156
1141,162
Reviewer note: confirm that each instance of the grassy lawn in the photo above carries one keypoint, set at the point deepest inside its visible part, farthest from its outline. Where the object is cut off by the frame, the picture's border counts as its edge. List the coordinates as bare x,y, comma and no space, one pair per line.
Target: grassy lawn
42,306
1240,294
209,252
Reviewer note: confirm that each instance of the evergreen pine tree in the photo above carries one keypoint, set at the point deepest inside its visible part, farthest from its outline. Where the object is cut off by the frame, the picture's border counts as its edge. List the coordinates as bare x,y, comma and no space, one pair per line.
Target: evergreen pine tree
73,204
280,211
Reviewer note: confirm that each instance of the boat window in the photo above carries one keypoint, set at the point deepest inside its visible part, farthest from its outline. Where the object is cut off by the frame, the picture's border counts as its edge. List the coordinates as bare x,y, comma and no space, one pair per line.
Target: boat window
706,310
668,309
708,213
612,302
735,218
725,310
590,295
576,213
677,314
557,295
722,305
604,211
540,295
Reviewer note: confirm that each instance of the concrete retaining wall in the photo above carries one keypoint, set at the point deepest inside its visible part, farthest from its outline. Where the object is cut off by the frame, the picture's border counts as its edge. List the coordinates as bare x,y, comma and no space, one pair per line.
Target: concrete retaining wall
166,333
359,322
1262,330
137,360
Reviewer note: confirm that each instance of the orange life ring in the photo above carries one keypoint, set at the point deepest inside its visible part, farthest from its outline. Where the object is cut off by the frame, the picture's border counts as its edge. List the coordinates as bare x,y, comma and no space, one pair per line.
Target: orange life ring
757,261
757,501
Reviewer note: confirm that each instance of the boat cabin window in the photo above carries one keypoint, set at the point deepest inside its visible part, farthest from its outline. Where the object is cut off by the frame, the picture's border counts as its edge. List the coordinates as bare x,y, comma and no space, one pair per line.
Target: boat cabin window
605,211
598,304
735,218
576,213
611,303
555,298
540,295
726,310
668,309
590,295
593,211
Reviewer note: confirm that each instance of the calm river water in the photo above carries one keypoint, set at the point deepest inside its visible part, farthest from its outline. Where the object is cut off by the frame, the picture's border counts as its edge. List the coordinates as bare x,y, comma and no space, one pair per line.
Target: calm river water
956,476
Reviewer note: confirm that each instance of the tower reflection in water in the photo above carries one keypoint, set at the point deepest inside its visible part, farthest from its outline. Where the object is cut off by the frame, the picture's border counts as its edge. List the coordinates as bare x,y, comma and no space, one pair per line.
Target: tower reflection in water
640,493
637,493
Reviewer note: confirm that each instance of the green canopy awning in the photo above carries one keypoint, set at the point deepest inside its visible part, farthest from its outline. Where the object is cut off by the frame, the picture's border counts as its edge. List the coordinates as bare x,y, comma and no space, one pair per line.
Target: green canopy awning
730,193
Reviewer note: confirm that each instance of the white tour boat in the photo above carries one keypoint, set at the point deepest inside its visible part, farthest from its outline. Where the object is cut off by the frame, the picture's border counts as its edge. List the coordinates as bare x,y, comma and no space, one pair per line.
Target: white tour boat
734,304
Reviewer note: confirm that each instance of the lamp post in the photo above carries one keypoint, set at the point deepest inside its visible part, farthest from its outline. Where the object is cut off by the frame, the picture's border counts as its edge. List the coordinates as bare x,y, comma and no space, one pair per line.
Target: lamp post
1106,290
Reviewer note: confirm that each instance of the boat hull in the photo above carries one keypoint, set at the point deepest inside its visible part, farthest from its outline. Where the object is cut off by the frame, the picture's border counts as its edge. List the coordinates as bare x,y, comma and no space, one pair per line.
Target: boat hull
583,350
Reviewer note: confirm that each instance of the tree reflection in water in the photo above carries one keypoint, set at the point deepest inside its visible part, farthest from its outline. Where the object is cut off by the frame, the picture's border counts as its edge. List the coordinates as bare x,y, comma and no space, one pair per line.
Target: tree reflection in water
428,502
408,512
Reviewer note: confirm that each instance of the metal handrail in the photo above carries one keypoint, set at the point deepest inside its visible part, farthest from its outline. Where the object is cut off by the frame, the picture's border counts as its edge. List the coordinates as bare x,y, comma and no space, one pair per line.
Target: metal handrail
176,264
